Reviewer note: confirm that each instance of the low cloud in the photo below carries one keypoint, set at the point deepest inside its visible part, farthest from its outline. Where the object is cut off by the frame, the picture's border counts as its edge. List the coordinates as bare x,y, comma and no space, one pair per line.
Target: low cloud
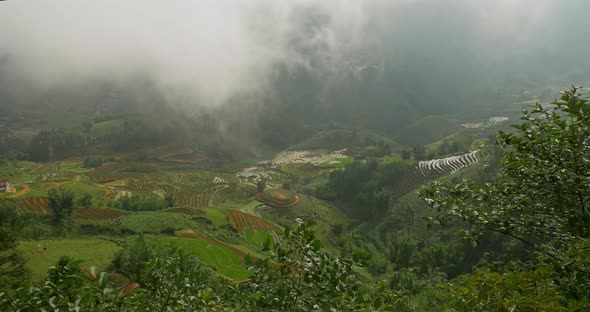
211,50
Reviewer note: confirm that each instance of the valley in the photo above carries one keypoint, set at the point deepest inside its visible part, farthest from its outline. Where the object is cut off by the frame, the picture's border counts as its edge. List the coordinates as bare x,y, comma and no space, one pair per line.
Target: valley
223,216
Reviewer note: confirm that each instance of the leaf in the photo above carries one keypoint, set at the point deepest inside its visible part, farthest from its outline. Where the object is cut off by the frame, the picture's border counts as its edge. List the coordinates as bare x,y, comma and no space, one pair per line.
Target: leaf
129,289
52,302
102,281
316,244
91,273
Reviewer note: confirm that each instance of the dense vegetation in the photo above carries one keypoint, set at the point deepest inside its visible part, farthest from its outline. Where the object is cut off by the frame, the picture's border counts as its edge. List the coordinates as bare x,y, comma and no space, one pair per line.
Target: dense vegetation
510,234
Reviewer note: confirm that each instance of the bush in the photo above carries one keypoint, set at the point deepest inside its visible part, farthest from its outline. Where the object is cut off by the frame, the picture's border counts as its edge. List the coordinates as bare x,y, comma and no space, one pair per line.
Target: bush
85,200
139,203
168,231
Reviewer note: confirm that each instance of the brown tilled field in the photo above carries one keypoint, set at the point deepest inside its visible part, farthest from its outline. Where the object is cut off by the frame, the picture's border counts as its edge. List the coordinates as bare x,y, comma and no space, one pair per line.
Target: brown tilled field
98,213
37,205
242,220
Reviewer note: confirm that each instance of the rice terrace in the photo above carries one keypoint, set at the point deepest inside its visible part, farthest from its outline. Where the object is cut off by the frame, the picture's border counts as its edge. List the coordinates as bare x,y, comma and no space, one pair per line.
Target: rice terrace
296,156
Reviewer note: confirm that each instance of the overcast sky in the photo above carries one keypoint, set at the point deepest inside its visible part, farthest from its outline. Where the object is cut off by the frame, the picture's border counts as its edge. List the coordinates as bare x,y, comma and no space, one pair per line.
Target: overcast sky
215,48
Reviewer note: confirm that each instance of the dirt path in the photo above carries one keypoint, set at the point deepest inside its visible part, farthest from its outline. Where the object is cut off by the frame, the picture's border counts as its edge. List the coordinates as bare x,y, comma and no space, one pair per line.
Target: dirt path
172,154
39,251
35,168
22,192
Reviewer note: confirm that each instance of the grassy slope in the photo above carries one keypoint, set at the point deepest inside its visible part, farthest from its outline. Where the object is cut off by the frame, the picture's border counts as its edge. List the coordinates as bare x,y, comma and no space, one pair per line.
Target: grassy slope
257,237
223,260
95,252
154,222
100,252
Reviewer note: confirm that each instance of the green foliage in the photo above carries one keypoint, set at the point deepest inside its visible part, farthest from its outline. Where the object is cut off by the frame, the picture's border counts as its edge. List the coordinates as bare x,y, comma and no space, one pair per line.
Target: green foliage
132,261
453,146
406,154
305,278
13,271
96,161
85,200
143,203
363,186
62,201
176,281
539,198
221,258
11,216
419,152
70,288
42,254
260,238
532,290
57,143
154,222
260,185
540,194
170,199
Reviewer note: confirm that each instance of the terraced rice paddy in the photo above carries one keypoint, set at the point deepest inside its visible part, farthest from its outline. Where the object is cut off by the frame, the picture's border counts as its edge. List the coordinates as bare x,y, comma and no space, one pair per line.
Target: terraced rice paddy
488,123
437,167
264,169
226,261
98,213
218,180
43,254
155,222
243,220
431,169
202,198
472,125
177,154
193,157
300,157
186,211
37,205
259,237
278,198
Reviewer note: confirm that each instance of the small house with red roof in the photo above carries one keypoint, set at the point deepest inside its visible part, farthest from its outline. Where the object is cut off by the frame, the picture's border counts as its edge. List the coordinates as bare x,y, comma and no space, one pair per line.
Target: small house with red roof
4,186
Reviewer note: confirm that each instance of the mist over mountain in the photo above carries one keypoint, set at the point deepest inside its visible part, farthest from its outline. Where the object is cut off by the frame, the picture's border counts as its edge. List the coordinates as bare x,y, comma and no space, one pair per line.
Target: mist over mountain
295,155
370,63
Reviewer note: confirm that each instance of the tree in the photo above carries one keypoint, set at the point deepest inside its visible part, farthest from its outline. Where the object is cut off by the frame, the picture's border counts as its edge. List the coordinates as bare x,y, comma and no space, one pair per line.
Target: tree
301,277
540,196
11,216
13,270
132,260
62,202
419,152
541,193
85,200
381,198
406,154
92,162
170,199
309,279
